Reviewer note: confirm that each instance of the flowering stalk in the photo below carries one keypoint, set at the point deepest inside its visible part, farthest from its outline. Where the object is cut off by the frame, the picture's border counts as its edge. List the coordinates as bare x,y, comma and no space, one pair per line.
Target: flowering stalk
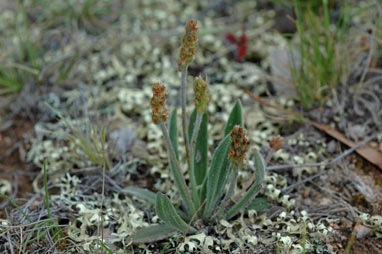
187,53
159,116
158,101
275,144
239,147
184,116
201,102
178,176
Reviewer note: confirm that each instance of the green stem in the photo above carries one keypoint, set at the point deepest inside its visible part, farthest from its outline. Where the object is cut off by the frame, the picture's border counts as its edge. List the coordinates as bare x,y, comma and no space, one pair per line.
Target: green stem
229,194
183,91
178,176
195,132
46,191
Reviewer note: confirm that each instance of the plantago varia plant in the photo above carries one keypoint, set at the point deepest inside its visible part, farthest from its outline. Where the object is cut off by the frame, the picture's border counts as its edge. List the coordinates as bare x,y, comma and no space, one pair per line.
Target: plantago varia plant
205,197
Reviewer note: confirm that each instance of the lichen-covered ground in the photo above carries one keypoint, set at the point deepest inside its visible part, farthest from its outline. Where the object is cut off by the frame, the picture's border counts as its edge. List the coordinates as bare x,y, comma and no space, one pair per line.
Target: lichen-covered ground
78,67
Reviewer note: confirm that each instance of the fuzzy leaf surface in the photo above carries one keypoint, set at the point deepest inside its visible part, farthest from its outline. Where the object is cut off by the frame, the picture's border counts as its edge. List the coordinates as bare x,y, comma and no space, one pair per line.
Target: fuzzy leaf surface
173,133
201,147
259,205
217,175
235,118
152,234
142,193
167,212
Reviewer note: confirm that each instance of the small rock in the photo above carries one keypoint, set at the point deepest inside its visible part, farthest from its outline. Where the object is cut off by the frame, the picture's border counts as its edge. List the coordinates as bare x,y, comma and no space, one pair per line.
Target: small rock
123,139
356,132
332,145
362,231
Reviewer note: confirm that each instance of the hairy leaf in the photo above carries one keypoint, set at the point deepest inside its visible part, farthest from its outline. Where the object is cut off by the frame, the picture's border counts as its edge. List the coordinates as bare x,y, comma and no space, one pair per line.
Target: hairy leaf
142,193
201,147
217,175
167,212
173,133
259,205
152,234
235,118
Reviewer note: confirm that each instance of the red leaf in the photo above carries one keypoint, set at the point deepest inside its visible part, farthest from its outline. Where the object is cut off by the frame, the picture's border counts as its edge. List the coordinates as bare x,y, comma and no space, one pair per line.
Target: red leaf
243,39
230,37
241,51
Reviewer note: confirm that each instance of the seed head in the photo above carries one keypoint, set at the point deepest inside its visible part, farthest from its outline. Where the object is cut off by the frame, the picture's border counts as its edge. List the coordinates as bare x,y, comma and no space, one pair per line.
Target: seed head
187,52
158,104
276,143
239,146
201,95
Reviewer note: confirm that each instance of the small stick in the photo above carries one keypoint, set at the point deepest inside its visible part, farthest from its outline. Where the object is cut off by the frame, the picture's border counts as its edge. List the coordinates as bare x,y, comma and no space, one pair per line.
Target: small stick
10,243
193,217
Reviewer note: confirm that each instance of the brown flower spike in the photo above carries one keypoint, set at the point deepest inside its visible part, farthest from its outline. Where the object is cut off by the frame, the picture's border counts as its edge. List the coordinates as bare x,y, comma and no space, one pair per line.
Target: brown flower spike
158,102
201,95
239,146
276,143
188,49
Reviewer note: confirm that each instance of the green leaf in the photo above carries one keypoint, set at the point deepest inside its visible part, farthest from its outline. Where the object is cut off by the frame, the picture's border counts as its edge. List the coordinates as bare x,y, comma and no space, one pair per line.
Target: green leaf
142,193
259,205
217,176
152,234
201,147
203,190
173,133
253,190
166,211
177,174
235,118
15,205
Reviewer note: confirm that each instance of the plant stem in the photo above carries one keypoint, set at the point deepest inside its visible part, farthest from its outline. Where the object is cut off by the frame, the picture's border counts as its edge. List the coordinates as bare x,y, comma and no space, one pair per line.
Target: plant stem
229,194
178,176
198,122
195,132
183,91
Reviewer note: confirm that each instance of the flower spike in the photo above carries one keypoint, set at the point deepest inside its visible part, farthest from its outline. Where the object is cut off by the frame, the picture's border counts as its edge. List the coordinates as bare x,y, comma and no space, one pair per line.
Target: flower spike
201,95
158,104
187,52
276,143
239,146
